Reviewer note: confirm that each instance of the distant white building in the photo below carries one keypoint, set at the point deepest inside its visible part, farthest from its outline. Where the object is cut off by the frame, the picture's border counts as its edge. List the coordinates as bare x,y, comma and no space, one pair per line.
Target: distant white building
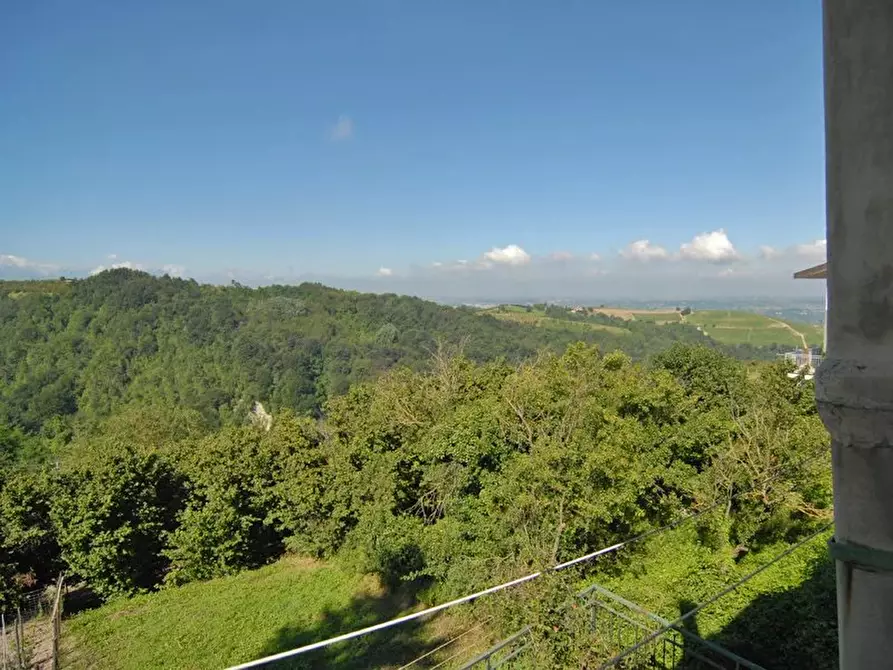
807,360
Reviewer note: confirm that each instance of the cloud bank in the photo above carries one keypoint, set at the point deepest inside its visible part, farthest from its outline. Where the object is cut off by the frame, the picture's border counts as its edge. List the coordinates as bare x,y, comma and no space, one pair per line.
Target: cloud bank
706,265
643,251
20,265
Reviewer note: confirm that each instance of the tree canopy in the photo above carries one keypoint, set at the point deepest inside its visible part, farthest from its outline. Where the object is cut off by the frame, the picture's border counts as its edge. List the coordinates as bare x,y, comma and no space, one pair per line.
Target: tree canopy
419,442
86,348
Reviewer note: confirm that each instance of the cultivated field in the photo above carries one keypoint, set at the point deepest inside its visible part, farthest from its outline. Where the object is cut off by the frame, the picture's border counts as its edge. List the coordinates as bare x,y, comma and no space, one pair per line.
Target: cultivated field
733,327
652,315
538,318
729,326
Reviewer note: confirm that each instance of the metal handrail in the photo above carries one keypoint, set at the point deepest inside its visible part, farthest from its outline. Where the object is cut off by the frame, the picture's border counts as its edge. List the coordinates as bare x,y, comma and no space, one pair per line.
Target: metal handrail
489,653
667,624
591,596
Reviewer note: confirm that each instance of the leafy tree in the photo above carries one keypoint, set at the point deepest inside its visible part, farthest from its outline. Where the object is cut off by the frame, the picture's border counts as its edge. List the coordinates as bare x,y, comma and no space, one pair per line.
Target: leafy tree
113,518
248,489
27,533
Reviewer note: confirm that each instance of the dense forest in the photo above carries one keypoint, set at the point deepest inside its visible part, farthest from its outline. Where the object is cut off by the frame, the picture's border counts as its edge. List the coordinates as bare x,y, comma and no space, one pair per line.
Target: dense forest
411,440
89,347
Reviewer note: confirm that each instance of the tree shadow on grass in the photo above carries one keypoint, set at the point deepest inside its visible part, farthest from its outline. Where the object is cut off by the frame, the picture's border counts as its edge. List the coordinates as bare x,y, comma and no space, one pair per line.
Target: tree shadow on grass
391,647
794,629
80,598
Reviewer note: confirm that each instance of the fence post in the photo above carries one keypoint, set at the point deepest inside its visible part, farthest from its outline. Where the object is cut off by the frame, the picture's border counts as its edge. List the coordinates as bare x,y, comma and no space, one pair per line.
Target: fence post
57,620
20,638
3,647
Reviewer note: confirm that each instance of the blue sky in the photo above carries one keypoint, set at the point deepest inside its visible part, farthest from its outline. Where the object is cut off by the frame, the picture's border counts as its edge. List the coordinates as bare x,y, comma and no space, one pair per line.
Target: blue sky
364,142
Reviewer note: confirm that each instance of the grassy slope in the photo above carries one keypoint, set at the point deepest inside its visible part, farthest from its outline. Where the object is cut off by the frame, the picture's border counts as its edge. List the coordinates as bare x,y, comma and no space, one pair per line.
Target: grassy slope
234,619
730,326
538,318
658,316
733,327
294,602
725,326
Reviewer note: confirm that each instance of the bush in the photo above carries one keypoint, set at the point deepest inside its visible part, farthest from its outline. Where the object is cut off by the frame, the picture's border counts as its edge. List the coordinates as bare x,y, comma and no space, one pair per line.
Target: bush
27,535
218,535
387,546
113,517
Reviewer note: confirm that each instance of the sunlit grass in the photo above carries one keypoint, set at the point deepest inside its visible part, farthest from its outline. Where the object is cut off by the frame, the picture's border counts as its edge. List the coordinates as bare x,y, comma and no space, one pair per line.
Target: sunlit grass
229,620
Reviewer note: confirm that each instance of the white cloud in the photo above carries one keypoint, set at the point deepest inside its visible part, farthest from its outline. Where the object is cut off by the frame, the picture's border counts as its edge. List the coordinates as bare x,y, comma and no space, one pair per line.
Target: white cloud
643,250
14,261
594,257
713,247
384,272
130,265
510,255
173,270
342,130
10,260
460,266
817,249
561,256
112,257
768,253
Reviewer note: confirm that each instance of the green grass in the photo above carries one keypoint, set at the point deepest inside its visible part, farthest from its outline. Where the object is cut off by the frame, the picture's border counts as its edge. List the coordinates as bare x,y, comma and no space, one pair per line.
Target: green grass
725,326
294,602
657,317
229,620
536,318
731,327
784,617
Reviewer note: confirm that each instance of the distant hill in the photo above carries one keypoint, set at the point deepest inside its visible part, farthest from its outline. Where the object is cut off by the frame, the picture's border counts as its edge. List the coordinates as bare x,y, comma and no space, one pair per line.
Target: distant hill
84,348
730,327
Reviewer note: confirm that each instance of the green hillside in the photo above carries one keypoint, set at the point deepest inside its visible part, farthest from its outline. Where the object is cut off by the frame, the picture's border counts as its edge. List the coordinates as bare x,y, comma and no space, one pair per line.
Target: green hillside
732,327
749,334
539,317
86,348
729,327
128,460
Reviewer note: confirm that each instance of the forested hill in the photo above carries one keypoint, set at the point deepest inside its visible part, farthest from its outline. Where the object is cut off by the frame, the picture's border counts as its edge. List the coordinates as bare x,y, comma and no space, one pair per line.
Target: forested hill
87,347
448,479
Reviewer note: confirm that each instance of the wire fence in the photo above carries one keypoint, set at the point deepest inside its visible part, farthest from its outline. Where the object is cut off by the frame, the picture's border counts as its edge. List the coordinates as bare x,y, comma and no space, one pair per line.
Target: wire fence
614,625
622,634
31,629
